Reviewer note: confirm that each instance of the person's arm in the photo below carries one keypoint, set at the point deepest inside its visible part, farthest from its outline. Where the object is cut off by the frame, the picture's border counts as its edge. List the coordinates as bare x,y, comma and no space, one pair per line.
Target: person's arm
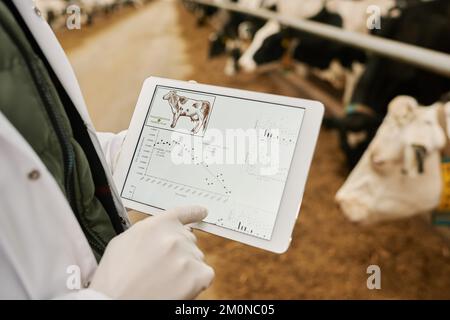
111,145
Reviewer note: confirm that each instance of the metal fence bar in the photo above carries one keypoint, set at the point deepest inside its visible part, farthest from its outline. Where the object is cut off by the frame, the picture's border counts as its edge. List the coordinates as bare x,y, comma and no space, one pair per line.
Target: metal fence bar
431,60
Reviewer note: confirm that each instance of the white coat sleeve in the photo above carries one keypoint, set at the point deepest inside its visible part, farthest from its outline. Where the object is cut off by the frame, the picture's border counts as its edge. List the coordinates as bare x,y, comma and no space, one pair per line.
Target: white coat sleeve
84,294
111,145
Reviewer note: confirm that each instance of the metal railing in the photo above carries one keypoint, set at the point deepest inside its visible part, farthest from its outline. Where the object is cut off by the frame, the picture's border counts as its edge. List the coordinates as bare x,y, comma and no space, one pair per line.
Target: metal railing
431,60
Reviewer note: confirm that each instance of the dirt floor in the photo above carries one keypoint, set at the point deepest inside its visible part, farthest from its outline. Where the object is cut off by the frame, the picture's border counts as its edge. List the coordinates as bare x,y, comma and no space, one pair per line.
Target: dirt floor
329,256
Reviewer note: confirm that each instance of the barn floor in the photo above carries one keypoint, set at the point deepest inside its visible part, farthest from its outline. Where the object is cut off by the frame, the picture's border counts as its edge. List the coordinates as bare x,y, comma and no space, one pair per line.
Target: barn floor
329,255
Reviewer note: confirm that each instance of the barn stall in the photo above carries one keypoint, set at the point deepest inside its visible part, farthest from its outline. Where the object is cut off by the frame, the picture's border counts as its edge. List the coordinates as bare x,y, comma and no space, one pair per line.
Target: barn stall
329,255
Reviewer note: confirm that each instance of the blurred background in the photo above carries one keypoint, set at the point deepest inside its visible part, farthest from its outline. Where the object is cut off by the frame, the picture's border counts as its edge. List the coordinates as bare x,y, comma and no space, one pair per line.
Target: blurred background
122,42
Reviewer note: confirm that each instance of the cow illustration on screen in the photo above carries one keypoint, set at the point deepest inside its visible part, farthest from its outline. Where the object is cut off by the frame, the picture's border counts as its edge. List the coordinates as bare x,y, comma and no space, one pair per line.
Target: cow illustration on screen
196,110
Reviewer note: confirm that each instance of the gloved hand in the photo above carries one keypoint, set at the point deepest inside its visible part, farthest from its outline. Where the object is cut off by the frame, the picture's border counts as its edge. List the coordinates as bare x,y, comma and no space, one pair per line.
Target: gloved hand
157,258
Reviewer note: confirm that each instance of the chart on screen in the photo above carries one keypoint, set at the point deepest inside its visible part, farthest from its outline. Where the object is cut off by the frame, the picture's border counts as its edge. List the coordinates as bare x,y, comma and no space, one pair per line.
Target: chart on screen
197,148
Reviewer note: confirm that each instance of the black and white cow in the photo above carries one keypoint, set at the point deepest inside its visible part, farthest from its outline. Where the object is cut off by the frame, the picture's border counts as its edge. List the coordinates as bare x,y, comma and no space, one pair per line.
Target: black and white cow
327,59
268,43
236,29
425,24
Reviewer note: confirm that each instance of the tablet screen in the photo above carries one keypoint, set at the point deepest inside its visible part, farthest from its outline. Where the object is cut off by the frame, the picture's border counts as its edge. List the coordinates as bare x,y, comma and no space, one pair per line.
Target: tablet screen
231,155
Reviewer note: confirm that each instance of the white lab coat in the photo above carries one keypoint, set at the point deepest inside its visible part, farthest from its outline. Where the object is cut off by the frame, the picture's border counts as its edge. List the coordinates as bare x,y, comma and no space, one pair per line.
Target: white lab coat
40,238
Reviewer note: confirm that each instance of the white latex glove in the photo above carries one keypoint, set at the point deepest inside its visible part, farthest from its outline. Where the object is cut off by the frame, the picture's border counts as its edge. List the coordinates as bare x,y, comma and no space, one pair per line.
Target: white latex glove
157,258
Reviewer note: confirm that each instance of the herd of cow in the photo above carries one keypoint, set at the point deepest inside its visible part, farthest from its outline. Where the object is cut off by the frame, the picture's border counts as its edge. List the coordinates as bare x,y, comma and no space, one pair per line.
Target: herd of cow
55,11
394,144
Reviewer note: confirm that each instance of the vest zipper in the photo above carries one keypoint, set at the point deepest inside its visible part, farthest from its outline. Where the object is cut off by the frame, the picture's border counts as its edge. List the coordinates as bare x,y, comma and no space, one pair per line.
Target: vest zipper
69,159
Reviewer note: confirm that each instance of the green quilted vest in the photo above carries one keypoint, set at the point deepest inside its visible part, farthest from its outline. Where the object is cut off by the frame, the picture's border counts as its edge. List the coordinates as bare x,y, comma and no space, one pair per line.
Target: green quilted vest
30,99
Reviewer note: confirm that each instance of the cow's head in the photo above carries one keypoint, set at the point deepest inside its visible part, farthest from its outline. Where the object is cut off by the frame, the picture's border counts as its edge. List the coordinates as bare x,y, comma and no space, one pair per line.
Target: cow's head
265,47
170,95
399,174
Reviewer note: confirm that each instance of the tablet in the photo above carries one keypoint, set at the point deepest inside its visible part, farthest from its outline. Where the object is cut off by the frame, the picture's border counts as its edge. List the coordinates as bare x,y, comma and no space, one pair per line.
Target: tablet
243,155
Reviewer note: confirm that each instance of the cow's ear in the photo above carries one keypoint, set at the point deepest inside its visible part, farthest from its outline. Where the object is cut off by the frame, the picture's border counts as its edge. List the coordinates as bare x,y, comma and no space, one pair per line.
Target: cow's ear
402,108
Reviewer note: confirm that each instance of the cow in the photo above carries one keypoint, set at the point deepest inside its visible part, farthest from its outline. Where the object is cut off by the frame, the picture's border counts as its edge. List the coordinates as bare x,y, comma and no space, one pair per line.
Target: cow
267,43
197,110
237,29
399,175
349,15
336,63
425,24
